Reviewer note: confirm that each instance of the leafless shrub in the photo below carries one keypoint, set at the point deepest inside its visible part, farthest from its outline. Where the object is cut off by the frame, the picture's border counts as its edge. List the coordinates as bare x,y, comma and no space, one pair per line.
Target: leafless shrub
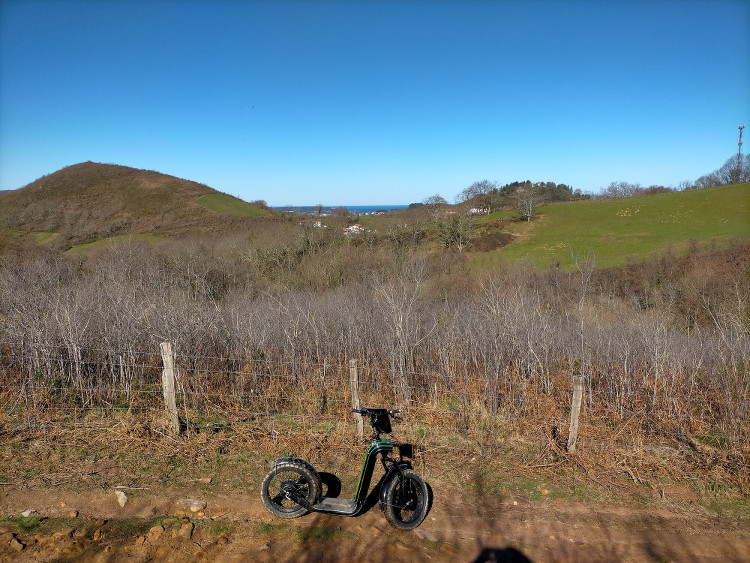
661,350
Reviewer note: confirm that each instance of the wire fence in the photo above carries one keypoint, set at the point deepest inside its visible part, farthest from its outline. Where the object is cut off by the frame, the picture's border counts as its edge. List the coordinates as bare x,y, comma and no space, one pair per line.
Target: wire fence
472,410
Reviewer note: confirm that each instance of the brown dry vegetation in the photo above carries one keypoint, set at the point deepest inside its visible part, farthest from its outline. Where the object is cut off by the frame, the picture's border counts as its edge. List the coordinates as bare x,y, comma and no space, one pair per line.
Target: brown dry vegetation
266,320
89,201
663,346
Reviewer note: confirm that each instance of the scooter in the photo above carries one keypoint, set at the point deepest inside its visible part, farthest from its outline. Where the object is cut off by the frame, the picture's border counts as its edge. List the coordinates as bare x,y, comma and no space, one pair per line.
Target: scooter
293,487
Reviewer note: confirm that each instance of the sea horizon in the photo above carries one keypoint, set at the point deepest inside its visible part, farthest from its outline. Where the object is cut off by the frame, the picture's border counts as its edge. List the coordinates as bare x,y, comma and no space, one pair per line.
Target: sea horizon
326,209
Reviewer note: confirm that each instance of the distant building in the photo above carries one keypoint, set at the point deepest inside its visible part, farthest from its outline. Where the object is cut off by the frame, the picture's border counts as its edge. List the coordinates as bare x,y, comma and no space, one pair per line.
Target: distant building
354,229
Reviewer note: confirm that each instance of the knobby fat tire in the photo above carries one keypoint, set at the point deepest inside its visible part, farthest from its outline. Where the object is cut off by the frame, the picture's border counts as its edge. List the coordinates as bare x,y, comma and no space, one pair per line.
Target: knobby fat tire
295,510
392,510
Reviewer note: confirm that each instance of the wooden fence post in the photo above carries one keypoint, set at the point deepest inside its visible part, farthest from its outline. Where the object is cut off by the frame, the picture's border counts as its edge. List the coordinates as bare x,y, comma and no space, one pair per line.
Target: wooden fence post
354,383
575,411
167,383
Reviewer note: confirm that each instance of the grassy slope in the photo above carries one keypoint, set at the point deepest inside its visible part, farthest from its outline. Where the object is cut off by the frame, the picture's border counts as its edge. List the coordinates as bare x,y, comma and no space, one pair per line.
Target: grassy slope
626,230
228,205
105,242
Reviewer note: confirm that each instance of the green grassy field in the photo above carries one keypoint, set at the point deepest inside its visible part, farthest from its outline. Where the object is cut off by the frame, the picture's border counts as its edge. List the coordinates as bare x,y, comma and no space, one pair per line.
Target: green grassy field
616,232
222,203
105,242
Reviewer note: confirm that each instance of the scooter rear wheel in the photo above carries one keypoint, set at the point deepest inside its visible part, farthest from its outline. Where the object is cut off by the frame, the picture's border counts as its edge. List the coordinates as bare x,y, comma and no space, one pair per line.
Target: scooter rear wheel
282,482
407,501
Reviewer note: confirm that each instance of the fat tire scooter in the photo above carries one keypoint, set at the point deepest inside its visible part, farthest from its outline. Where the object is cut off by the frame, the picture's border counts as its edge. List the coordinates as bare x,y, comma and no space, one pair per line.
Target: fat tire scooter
293,487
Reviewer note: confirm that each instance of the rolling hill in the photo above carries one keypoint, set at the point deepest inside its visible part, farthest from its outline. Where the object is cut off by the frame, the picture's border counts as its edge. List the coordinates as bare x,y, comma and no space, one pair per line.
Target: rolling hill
88,205
86,202
628,230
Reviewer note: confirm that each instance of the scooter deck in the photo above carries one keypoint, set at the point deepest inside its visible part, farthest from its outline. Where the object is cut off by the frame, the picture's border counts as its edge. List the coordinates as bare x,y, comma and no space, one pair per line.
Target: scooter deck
337,505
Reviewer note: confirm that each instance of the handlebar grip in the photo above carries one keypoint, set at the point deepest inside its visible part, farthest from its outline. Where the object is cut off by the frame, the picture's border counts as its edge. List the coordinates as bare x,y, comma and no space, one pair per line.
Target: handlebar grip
360,411
394,412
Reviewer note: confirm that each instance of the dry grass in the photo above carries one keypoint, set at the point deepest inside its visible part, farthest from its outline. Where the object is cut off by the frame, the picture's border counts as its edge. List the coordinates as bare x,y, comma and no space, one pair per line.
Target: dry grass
81,448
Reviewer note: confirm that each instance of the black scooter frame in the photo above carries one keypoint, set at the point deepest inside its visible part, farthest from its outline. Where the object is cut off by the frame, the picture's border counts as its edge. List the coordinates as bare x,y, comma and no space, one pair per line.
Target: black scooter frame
381,447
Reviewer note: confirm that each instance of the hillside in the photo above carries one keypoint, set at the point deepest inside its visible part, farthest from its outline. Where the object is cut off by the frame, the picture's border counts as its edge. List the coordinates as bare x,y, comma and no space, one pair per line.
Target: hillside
627,230
89,205
90,201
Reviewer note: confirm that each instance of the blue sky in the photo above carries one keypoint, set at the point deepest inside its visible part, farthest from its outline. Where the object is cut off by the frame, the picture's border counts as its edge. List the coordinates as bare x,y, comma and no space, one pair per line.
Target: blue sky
388,102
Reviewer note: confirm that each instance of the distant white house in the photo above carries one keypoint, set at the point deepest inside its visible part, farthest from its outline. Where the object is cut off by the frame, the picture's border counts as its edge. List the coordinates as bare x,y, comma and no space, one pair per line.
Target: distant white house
354,229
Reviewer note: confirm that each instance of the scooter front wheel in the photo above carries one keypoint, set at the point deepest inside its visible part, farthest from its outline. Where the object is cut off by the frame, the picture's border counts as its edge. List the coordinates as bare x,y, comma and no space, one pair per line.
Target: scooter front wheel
283,483
407,501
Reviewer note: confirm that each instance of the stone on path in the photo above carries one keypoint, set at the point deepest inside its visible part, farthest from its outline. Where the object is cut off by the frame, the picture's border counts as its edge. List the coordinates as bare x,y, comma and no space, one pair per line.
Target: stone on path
195,505
16,545
155,533
186,530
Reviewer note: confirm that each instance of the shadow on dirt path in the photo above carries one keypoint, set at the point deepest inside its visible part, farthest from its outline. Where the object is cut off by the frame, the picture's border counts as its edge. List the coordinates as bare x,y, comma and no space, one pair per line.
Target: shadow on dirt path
92,526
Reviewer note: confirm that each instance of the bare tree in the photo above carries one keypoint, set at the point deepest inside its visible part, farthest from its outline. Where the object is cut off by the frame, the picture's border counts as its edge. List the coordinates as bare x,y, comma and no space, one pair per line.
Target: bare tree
399,300
729,173
457,231
734,171
477,189
435,205
529,199
617,190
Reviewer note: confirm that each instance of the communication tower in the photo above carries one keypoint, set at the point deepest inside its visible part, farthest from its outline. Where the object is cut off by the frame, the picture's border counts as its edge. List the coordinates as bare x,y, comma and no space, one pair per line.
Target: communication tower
739,149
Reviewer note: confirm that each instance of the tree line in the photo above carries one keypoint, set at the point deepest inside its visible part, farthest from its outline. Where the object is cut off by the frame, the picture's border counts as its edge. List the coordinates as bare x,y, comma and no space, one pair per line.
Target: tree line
733,171
525,196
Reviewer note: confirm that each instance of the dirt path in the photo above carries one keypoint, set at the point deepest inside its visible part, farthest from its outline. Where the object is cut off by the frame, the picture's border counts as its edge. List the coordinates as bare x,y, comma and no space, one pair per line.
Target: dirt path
92,526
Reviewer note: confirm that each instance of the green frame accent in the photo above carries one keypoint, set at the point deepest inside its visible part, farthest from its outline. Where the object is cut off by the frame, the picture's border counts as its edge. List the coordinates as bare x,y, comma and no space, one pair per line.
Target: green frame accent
380,446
